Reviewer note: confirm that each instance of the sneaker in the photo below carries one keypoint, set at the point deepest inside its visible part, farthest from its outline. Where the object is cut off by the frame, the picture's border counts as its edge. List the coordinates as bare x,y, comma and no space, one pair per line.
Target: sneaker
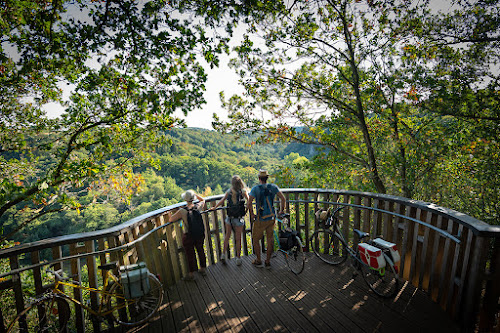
223,258
238,261
268,265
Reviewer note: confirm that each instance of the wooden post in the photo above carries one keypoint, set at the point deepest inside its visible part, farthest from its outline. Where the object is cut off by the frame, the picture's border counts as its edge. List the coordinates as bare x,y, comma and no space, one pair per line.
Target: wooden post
18,291
77,294
346,225
474,284
166,274
489,310
92,271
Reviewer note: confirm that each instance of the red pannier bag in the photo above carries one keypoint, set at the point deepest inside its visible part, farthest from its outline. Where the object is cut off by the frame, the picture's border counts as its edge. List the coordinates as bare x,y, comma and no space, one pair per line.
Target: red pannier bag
391,247
371,255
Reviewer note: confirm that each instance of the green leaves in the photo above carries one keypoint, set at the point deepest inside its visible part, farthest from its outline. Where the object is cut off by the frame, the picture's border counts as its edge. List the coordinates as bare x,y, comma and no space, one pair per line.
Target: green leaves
130,66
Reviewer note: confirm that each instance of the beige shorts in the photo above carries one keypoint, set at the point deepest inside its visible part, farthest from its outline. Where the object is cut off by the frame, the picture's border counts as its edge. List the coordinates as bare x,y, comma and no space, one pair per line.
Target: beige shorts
259,227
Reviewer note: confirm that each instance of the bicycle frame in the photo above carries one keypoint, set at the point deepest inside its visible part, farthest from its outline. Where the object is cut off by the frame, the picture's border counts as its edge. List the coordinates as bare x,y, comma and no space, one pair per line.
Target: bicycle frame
354,253
103,292
332,222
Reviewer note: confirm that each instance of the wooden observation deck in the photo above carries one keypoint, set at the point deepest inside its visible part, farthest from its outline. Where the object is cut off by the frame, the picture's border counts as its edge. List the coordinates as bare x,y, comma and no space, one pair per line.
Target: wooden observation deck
450,271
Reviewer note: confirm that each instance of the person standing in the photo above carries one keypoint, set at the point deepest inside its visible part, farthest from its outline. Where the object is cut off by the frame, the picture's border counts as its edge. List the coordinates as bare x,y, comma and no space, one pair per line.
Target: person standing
195,235
265,216
236,197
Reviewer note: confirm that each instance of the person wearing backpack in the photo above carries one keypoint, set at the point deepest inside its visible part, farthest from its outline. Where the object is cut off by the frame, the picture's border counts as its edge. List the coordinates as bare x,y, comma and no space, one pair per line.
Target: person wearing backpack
265,215
194,236
236,198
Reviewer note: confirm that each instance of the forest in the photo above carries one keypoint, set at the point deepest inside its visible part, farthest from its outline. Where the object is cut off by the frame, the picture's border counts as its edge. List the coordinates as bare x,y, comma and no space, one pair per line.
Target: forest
197,159
394,97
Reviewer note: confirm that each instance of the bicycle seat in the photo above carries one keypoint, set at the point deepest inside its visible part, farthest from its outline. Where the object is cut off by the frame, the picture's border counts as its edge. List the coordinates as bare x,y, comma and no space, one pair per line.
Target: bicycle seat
108,266
361,234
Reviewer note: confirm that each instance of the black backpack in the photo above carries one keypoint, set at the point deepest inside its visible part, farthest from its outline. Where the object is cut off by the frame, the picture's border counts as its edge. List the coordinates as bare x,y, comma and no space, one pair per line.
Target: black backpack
236,209
196,227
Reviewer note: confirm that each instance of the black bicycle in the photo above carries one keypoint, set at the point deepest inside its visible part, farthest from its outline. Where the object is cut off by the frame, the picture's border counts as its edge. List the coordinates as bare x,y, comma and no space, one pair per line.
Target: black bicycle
330,245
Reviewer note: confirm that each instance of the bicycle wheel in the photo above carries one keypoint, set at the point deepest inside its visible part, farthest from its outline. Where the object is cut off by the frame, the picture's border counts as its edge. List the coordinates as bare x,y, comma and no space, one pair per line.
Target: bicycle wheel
135,311
295,258
383,282
48,314
329,247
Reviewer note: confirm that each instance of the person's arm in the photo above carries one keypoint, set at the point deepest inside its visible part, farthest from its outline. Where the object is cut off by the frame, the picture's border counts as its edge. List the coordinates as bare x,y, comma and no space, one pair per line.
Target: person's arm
245,195
201,200
282,198
250,207
177,216
220,202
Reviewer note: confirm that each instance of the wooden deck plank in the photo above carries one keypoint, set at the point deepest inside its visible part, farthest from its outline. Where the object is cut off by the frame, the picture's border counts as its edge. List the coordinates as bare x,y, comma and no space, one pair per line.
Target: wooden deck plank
240,290
325,290
319,316
232,303
273,294
323,298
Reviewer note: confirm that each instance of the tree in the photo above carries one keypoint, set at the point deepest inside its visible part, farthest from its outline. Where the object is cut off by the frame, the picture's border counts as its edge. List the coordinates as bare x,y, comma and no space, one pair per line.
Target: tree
320,57
130,65
340,74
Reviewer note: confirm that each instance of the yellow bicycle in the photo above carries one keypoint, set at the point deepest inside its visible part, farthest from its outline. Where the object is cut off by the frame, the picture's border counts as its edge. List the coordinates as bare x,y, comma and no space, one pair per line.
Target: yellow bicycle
50,312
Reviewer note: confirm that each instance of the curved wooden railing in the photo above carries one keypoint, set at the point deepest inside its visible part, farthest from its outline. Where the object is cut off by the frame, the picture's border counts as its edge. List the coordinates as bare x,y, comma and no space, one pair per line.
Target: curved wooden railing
453,257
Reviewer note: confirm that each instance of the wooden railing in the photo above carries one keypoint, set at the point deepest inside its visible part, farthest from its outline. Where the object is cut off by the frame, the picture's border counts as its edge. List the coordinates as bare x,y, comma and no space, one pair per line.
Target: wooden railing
453,257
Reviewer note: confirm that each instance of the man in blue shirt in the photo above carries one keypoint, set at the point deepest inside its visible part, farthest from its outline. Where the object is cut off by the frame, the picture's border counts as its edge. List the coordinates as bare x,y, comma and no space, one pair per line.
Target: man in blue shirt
264,218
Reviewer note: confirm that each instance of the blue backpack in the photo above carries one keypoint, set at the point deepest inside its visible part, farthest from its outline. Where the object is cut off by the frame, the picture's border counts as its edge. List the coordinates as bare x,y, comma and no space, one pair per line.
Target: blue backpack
264,196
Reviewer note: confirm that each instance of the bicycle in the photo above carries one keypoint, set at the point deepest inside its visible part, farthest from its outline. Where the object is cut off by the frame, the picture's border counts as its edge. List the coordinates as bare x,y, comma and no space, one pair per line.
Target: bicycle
290,245
330,245
50,312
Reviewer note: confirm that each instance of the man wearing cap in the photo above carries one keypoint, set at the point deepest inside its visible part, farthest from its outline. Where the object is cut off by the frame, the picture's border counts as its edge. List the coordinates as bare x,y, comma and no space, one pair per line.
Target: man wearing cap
265,216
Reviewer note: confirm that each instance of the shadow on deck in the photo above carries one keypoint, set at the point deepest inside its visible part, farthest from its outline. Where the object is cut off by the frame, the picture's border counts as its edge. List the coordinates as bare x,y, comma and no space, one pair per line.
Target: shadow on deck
323,298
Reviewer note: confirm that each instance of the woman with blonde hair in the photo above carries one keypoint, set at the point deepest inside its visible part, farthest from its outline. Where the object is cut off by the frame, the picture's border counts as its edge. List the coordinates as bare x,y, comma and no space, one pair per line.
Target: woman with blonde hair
236,197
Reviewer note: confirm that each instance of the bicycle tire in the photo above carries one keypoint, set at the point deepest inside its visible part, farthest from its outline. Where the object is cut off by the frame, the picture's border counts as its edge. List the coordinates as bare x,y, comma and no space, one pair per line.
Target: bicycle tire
47,314
384,283
136,311
329,247
295,258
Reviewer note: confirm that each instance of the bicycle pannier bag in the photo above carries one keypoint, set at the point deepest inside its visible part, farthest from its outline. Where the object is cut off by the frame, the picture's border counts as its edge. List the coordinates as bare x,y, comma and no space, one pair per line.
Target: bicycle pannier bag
135,280
390,247
287,238
196,227
371,255
236,209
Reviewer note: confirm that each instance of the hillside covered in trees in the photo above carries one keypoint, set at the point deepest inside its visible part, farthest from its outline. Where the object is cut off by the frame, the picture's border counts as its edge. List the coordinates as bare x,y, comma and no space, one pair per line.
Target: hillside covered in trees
197,159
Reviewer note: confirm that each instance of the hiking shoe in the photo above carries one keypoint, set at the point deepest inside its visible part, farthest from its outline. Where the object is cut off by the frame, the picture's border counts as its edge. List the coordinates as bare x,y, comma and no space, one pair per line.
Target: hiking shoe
223,258
238,261
257,263
268,265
